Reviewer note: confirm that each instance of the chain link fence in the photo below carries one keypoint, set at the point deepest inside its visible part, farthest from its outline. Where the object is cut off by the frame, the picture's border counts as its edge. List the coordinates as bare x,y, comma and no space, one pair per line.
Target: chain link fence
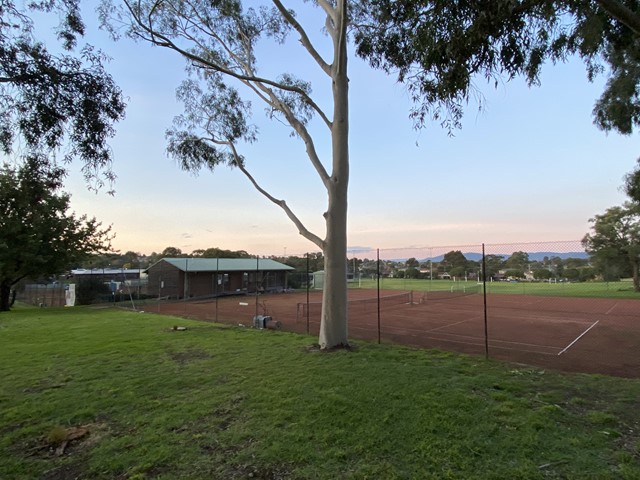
548,303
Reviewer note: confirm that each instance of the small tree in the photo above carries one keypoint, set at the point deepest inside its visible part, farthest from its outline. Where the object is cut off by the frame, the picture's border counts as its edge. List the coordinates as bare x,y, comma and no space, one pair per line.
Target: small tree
38,236
615,240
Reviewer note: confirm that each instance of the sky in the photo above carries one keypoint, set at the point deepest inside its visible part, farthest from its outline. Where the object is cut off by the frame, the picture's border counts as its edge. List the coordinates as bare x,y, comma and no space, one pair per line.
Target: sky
529,167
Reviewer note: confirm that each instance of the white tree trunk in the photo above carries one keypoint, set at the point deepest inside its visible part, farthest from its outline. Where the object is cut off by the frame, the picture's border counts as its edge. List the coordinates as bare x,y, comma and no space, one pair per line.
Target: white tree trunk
334,321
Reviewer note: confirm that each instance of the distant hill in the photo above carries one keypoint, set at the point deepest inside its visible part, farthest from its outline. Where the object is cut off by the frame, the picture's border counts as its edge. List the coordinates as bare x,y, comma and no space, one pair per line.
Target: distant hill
533,256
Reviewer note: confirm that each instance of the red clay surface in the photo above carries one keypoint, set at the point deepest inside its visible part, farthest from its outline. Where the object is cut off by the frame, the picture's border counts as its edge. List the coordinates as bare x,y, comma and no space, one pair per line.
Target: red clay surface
592,335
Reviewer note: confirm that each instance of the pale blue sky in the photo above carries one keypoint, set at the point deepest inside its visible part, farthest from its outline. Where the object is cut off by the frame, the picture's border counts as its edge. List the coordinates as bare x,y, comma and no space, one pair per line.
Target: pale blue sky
530,167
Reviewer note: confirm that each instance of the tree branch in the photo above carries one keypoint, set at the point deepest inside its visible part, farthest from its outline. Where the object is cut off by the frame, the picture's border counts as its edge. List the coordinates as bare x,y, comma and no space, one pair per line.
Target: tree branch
161,40
328,9
622,13
281,203
304,39
300,129
341,32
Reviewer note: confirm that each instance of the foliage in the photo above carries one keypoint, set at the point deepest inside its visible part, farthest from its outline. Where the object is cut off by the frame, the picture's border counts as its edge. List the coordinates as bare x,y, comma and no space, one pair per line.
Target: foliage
38,236
579,274
412,272
615,240
215,252
49,101
632,184
513,273
412,263
209,403
457,272
542,274
440,48
455,259
493,264
517,260
92,290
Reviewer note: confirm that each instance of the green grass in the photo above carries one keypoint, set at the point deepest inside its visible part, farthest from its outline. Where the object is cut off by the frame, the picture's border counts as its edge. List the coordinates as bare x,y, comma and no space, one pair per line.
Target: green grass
216,402
622,289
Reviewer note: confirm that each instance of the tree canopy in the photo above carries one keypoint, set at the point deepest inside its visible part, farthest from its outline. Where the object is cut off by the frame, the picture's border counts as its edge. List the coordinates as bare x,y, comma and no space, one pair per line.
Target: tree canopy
39,237
615,240
455,259
439,49
56,102
632,184
518,260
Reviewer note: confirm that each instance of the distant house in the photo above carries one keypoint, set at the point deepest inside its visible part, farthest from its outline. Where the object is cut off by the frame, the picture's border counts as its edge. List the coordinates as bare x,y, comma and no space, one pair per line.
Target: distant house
210,277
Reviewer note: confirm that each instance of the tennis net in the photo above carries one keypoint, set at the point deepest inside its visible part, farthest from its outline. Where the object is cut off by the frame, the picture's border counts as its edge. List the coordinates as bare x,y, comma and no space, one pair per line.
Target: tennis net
362,305
455,291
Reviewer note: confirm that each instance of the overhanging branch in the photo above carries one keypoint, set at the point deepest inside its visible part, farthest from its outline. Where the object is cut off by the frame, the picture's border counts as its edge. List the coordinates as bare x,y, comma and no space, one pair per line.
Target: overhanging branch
281,203
162,40
622,13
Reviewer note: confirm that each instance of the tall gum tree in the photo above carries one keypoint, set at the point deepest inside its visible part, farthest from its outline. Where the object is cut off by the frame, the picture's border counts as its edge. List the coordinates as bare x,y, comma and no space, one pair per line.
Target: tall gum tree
219,39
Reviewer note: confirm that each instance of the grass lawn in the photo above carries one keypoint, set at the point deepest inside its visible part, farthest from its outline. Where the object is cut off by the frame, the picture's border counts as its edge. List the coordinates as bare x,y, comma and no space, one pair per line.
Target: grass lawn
216,402
622,289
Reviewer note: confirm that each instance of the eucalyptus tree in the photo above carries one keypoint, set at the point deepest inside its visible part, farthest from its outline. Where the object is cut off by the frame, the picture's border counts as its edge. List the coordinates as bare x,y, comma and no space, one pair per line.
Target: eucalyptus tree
220,40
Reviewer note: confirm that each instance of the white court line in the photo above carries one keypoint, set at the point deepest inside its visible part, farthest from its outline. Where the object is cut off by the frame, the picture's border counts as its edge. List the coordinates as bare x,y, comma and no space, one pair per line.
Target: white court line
612,308
578,338
455,323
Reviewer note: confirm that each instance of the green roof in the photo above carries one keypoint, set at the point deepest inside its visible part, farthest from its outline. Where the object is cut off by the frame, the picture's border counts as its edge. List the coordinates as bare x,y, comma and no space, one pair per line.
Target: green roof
226,264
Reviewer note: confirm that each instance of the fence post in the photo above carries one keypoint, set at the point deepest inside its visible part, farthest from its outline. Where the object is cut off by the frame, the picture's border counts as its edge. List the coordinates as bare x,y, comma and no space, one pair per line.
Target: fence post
484,293
378,267
217,280
308,287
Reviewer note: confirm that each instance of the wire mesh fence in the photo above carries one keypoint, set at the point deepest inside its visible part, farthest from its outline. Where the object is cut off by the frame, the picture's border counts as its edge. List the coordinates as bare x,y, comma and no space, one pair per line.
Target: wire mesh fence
548,303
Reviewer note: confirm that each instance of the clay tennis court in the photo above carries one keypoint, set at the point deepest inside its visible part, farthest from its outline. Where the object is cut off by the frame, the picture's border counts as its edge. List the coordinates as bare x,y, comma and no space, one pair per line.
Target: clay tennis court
594,335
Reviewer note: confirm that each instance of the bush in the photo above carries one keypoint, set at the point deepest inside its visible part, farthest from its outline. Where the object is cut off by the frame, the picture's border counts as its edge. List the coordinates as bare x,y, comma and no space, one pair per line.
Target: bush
92,290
